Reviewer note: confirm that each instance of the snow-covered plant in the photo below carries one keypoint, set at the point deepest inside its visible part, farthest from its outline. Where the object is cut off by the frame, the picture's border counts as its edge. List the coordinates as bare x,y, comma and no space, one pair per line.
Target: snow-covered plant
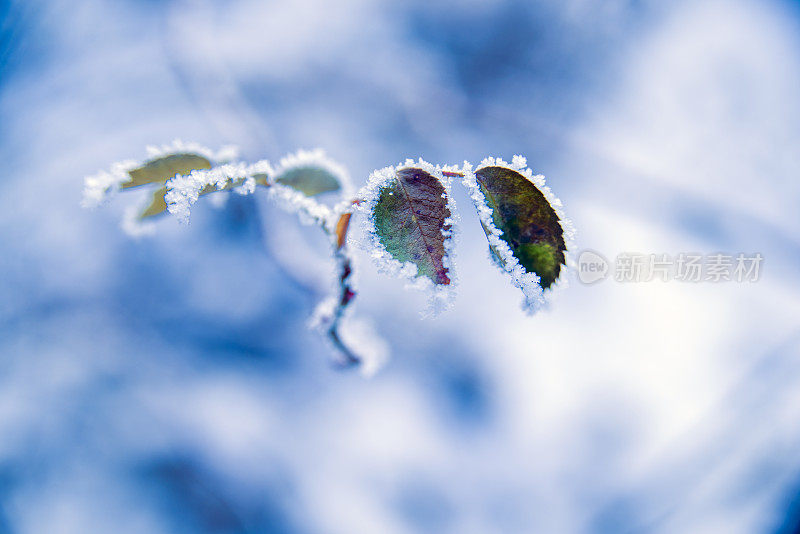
409,217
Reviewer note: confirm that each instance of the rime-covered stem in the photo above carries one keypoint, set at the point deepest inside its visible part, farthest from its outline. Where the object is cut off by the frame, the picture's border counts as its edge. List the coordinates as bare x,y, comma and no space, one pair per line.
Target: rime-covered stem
346,290
345,297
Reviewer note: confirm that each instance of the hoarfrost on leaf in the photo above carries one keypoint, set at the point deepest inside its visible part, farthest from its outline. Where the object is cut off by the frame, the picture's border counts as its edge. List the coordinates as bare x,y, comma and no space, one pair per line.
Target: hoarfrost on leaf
409,223
161,169
306,208
162,164
529,236
224,155
184,190
312,173
98,187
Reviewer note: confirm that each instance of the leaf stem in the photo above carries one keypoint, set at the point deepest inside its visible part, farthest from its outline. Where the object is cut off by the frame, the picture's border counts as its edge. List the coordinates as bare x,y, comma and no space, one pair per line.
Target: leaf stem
347,292
345,298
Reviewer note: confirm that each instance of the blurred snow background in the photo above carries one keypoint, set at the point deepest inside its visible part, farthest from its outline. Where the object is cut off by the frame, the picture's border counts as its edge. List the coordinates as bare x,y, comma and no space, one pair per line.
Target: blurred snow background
169,385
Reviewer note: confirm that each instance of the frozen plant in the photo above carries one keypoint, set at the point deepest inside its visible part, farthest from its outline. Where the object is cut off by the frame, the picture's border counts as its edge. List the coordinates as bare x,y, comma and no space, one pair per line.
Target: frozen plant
408,213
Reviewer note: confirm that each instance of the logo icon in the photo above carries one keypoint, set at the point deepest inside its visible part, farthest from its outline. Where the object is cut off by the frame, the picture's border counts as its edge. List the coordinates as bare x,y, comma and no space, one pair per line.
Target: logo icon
592,267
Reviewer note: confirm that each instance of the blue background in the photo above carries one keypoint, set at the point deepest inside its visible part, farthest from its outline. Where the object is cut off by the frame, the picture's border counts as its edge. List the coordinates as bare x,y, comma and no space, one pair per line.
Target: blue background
169,384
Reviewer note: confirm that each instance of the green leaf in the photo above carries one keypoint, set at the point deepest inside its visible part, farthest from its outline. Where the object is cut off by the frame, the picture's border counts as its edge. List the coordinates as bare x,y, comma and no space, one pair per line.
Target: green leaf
530,225
310,180
409,218
161,169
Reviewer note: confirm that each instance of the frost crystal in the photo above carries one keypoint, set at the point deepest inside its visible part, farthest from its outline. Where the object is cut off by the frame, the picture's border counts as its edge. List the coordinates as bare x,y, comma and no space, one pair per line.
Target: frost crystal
223,155
440,296
184,190
528,282
307,209
100,186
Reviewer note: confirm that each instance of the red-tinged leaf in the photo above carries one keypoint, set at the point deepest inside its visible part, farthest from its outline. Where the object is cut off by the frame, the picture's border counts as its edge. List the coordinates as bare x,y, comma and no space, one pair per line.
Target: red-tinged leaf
409,218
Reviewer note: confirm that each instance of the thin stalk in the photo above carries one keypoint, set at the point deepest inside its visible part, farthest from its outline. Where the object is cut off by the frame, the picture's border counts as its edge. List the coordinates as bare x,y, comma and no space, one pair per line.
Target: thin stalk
347,291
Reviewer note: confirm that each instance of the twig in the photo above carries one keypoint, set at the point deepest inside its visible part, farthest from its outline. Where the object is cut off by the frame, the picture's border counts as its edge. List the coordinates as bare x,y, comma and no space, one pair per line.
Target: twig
346,290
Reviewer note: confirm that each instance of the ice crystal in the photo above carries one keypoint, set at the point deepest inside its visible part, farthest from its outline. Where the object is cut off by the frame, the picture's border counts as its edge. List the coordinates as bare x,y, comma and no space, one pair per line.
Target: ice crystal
184,190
